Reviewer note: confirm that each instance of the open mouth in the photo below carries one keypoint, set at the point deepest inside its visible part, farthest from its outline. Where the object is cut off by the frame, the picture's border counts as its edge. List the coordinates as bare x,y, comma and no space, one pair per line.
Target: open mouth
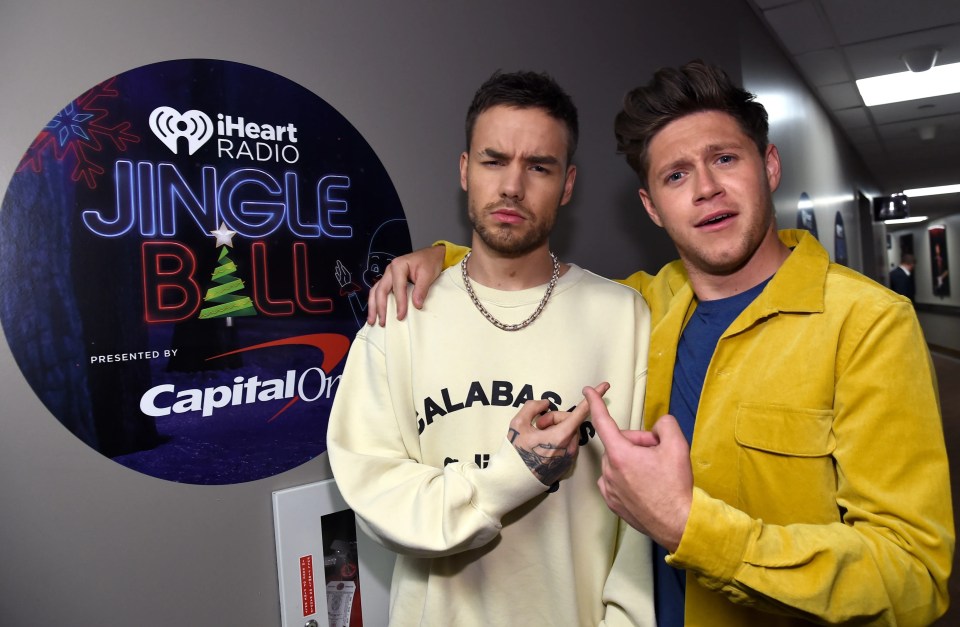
716,219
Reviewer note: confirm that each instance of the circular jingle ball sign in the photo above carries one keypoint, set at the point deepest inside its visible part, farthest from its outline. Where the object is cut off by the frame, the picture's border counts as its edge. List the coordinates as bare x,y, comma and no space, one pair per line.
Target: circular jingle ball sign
185,251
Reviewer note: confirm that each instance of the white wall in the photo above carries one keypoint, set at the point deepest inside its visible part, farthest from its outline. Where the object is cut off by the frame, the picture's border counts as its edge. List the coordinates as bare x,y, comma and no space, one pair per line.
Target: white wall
938,315
87,542
921,249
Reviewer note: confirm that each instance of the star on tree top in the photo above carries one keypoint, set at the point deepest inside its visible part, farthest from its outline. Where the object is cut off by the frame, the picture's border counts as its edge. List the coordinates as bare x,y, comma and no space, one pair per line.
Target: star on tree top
224,235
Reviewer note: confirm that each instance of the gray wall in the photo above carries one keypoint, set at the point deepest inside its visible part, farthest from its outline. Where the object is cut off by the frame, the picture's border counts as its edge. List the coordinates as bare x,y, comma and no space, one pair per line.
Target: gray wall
816,158
87,542
819,161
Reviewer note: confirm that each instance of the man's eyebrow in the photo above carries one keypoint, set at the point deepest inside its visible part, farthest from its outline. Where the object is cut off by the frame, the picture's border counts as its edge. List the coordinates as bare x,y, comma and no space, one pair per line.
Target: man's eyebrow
493,154
535,159
724,147
543,159
673,165
708,149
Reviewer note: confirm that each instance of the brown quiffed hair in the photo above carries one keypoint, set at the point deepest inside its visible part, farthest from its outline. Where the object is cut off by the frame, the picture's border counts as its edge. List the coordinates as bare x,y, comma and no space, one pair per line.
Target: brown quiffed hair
674,93
526,90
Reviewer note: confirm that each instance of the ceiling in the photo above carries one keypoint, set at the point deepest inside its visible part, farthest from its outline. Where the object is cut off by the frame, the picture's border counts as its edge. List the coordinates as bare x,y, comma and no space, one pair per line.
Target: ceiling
834,42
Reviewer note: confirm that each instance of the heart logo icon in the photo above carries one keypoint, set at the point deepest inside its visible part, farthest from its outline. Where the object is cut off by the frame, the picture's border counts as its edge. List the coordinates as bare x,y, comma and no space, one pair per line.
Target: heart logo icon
169,125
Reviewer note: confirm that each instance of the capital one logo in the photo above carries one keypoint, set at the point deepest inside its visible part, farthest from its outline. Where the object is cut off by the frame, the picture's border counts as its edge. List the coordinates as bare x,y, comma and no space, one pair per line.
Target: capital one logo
169,125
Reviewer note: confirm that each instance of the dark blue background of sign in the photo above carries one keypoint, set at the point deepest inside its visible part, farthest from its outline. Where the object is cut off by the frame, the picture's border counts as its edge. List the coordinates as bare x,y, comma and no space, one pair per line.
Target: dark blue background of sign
67,294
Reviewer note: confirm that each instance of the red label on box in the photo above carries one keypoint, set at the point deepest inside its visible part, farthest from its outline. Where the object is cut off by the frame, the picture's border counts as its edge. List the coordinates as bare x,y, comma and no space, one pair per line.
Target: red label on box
306,585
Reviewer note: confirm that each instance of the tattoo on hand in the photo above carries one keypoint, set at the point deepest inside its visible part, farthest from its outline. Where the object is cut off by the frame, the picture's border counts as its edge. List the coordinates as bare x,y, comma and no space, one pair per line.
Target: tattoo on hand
512,435
547,468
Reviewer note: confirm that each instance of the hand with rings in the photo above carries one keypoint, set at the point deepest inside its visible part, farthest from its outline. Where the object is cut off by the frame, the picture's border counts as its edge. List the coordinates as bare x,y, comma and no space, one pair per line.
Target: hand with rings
548,441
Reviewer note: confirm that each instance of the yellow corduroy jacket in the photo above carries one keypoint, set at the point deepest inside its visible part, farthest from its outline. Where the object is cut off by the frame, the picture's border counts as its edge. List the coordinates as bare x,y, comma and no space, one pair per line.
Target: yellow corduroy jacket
821,484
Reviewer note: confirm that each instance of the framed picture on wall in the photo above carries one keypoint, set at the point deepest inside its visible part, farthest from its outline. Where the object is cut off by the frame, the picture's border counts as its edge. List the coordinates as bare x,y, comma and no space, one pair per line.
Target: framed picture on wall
939,260
839,240
806,218
329,573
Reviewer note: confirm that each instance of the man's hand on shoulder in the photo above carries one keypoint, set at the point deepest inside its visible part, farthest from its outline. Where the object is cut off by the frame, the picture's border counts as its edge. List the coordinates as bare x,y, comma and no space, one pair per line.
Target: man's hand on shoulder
421,267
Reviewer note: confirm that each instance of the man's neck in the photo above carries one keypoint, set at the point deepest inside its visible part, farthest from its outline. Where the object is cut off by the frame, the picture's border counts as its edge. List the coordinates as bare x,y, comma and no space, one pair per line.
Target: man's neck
763,264
508,273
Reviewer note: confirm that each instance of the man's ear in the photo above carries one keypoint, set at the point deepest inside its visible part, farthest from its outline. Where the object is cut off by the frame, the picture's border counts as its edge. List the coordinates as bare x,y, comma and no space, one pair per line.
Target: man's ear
463,170
650,207
772,166
568,184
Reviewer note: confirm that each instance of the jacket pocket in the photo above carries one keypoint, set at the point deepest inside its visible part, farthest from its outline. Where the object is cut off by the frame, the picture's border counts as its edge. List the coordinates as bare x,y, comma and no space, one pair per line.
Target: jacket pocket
785,430
785,468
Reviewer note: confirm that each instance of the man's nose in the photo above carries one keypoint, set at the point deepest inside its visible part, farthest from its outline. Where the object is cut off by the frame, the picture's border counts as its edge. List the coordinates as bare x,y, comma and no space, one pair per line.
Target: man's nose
512,182
707,184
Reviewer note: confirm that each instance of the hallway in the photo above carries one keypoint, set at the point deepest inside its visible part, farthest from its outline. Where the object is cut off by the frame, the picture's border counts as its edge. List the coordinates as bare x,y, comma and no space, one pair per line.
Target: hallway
948,378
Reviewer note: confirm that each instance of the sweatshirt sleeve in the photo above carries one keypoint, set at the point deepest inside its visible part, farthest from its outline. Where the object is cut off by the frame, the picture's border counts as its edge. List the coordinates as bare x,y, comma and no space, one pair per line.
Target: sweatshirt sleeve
888,558
628,590
373,446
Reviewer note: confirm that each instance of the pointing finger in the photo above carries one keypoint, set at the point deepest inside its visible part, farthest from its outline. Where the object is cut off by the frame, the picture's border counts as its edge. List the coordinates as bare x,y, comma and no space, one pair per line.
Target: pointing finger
578,414
606,426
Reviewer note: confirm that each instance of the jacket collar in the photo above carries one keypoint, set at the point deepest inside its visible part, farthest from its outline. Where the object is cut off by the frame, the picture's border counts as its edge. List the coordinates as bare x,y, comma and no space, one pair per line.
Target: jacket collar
798,285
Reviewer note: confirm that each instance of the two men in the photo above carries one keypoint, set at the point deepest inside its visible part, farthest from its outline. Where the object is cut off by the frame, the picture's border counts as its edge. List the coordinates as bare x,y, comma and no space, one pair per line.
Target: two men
781,474
436,438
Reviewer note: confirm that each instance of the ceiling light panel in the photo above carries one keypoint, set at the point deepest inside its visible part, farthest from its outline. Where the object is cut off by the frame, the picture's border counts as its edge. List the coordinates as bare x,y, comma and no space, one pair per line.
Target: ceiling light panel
903,86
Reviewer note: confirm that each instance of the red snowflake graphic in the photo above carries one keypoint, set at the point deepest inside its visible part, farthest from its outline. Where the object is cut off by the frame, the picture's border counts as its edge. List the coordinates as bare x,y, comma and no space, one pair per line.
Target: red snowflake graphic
77,130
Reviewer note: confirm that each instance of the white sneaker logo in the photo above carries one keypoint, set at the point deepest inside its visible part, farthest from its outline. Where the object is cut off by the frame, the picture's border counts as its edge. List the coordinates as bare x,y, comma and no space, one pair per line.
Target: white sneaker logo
168,125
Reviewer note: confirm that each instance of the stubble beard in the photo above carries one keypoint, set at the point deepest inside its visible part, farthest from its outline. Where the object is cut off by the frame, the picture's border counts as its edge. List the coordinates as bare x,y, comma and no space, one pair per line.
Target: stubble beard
510,240
732,259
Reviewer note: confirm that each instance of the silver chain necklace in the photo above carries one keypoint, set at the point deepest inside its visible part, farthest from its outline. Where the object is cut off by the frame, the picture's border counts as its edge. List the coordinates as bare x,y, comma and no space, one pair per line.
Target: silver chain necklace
533,316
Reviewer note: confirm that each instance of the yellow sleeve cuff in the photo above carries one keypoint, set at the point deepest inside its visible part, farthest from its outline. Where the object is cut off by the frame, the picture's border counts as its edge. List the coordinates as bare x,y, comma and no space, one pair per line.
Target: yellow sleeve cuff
454,253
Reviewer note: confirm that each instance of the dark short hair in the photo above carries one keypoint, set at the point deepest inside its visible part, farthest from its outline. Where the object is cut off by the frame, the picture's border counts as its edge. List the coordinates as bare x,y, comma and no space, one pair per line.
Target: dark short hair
677,92
526,90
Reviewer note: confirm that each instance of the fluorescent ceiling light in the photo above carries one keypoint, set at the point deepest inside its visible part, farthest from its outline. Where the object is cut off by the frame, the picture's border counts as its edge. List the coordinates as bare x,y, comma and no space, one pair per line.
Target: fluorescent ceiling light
931,191
905,220
938,81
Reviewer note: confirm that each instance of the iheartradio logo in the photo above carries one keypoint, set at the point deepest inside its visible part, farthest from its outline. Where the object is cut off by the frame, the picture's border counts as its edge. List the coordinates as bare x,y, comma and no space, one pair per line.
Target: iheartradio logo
169,125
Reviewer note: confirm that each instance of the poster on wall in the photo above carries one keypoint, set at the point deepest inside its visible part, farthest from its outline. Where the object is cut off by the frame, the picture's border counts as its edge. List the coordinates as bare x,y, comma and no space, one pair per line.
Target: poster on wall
185,251
939,260
806,218
839,241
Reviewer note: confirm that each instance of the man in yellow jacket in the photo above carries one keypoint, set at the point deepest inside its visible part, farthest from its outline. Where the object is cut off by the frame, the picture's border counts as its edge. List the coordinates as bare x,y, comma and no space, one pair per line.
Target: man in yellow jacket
784,480
811,488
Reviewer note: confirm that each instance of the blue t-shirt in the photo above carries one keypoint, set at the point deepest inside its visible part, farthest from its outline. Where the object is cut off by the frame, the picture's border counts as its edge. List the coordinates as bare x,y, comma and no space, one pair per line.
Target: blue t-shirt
694,352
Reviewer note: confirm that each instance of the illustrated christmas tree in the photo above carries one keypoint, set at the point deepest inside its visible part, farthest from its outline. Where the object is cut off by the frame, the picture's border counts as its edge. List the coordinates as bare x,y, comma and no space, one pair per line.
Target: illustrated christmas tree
224,297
